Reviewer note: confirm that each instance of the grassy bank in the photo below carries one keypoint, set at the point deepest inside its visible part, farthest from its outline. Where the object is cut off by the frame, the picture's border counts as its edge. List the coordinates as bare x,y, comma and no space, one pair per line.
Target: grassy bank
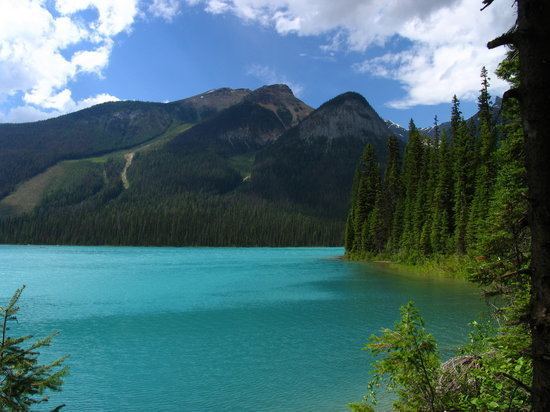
452,266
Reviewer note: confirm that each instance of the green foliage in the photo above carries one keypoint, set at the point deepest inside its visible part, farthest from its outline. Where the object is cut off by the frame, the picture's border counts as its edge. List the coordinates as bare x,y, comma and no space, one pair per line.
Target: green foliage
442,200
486,374
501,376
485,176
435,203
23,380
413,173
181,219
409,364
94,131
479,206
464,169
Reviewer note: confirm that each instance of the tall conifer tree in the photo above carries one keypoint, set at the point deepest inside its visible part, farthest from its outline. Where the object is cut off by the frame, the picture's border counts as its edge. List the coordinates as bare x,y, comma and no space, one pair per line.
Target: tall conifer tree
485,175
392,188
443,199
413,170
368,187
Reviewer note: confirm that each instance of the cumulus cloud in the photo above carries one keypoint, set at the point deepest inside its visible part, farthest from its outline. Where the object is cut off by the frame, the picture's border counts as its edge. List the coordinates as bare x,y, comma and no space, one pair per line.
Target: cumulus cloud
268,75
447,37
165,9
35,65
445,58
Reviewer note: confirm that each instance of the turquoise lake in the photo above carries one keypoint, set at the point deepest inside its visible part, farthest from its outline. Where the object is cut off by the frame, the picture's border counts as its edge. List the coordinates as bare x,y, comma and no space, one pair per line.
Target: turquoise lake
218,329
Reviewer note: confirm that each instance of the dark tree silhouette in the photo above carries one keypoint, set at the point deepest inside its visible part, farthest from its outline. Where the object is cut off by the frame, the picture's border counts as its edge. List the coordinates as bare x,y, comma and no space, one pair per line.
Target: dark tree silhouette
531,37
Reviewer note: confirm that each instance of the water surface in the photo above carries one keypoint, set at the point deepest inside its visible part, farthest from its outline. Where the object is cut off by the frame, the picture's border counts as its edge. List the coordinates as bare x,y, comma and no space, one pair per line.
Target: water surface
228,329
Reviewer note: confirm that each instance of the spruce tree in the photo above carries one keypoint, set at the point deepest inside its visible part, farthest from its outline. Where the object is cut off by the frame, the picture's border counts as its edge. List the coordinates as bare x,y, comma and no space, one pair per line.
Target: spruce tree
485,175
443,199
463,145
413,170
429,209
375,241
23,381
349,234
367,192
456,116
392,190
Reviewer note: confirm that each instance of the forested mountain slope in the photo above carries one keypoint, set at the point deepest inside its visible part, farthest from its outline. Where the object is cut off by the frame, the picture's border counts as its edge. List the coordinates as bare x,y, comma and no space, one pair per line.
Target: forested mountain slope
313,163
29,148
257,168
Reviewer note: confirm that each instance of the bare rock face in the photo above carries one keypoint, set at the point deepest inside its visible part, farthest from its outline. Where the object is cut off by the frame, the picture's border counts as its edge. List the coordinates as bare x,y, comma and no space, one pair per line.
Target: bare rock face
258,119
347,115
313,163
280,99
217,99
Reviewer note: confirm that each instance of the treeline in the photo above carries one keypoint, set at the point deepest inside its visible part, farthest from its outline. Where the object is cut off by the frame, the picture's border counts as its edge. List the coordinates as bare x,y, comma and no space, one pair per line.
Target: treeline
190,198
30,148
184,219
464,194
448,193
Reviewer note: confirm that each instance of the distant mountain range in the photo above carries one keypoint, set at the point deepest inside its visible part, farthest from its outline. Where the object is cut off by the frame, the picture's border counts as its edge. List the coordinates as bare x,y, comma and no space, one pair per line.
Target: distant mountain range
225,167
403,133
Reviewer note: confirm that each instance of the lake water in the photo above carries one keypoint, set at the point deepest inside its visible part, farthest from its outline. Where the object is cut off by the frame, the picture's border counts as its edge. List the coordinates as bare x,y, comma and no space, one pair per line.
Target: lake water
229,329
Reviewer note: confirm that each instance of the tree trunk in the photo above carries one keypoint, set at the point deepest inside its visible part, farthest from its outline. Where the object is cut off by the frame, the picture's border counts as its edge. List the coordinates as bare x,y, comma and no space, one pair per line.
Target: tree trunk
533,42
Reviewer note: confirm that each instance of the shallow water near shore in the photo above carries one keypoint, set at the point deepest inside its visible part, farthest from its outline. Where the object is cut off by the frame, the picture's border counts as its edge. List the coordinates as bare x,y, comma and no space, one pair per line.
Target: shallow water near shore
221,329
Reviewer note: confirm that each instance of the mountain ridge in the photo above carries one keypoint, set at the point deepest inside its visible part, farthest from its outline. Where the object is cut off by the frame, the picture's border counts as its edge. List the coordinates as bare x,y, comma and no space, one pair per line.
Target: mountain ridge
253,160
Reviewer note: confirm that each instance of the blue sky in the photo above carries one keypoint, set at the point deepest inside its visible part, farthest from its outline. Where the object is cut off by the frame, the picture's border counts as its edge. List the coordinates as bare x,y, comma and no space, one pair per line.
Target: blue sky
64,55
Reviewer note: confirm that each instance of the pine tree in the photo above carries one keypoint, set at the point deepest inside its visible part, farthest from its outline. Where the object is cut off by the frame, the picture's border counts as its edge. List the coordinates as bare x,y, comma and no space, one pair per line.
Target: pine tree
429,208
485,175
23,381
413,170
350,231
456,116
392,190
367,192
443,196
463,145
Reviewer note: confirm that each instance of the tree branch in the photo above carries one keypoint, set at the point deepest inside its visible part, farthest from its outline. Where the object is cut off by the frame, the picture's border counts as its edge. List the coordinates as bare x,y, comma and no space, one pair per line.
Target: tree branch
510,37
514,93
486,3
516,381
507,275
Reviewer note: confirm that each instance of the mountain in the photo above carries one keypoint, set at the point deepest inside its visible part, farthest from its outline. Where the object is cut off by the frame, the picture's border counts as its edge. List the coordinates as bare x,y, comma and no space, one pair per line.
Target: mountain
313,163
226,167
215,156
202,106
403,133
259,118
30,148
397,130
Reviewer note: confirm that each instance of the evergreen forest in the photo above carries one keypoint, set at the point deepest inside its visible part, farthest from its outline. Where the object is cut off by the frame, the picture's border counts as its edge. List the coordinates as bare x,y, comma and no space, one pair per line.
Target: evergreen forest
453,197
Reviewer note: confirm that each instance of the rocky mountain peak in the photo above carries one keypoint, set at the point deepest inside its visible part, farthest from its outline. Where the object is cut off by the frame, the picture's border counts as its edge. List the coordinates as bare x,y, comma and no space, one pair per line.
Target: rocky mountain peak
348,114
280,99
215,100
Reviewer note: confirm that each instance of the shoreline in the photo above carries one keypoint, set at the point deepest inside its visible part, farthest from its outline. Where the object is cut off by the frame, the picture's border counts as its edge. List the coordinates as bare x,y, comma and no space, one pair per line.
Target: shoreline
450,267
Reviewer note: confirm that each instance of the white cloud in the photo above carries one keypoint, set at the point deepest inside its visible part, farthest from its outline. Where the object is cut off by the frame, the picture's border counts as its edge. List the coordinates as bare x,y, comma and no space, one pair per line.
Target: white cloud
93,61
446,58
268,75
165,9
217,6
114,16
92,101
22,114
447,37
35,62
